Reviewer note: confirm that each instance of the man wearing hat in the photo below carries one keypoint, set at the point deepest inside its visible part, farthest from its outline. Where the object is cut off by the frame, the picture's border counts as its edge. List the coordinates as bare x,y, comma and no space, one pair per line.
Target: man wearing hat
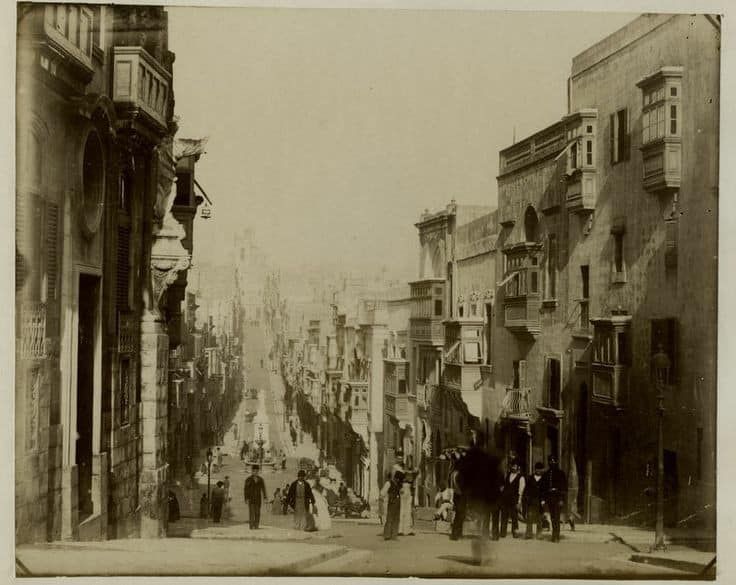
554,491
254,492
533,502
300,498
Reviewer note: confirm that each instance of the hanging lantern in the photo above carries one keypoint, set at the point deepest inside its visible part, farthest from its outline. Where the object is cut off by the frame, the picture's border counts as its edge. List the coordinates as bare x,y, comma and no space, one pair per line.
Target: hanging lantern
206,212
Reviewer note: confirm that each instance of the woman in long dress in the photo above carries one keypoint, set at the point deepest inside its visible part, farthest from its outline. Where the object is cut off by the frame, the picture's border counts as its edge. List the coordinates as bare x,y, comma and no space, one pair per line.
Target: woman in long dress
322,519
405,524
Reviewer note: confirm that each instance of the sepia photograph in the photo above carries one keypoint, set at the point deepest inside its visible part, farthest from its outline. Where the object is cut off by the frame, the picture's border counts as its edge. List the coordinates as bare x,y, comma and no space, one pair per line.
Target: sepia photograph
406,290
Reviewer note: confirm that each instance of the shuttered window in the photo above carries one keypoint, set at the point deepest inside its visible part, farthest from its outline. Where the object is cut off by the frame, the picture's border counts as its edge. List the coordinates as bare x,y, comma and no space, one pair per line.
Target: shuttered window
123,268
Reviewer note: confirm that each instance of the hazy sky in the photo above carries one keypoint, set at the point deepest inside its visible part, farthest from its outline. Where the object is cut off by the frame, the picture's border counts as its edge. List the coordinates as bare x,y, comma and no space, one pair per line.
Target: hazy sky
331,130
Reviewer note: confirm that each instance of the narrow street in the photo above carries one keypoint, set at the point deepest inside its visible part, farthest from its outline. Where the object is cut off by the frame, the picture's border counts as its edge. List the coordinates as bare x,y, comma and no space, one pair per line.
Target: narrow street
589,551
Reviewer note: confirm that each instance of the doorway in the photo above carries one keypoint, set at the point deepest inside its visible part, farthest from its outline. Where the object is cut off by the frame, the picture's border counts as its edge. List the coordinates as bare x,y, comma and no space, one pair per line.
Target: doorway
86,346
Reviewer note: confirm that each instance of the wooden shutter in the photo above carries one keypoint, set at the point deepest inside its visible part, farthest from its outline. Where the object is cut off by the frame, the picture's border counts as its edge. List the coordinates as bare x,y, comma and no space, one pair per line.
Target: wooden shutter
22,260
51,250
612,137
123,268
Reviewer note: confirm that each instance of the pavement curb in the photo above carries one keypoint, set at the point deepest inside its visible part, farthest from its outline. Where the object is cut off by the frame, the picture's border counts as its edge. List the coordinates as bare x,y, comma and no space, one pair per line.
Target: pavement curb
680,565
303,564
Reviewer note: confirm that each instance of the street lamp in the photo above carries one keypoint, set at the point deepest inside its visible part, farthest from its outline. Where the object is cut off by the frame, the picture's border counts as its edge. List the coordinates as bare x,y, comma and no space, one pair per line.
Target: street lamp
661,364
209,469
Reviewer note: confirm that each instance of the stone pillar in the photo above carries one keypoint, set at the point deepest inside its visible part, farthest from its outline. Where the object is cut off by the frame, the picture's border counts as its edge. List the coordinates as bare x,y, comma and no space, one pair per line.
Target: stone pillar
70,500
154,395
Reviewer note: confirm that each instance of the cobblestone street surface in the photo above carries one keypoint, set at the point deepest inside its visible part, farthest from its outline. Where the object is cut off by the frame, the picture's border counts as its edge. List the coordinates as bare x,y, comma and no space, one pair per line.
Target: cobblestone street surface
351,547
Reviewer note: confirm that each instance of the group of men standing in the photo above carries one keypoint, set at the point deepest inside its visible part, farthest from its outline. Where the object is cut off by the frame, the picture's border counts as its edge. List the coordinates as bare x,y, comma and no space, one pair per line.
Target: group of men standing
497,498
299,497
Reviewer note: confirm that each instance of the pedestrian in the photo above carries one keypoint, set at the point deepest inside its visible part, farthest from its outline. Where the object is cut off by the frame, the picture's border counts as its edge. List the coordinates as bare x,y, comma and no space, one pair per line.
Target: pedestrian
342,492
174,511
459,500
226,481
300,499
285,498
383,497
218,499
393,506
276,504
533,502
203,506
511,499
405,508
283,462
292,432
554,492
219,458
254,493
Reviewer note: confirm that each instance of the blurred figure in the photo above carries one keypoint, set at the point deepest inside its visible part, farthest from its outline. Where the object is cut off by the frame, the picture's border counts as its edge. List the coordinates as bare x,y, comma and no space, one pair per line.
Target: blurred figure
459,499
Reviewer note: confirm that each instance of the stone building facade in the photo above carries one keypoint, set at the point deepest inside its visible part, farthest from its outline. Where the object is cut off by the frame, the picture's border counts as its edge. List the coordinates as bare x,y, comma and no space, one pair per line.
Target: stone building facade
601,213
96,248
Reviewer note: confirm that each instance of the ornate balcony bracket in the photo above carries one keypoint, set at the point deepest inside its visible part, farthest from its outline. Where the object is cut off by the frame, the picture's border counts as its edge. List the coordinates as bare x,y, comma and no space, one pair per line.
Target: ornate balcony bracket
168,255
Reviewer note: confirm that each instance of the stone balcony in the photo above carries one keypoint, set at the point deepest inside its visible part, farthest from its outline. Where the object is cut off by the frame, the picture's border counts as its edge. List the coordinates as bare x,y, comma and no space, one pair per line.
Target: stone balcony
141,88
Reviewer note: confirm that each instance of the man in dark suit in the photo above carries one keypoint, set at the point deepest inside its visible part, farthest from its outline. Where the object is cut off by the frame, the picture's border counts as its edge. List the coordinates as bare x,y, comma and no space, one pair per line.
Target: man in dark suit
254,492
533,502
554,493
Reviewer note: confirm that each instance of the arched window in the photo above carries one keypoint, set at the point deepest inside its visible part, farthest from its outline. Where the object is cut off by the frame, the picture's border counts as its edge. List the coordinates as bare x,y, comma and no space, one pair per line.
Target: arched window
531,225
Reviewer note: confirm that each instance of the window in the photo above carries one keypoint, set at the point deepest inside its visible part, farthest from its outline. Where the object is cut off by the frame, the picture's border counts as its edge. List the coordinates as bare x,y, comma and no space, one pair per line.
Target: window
664,336
589,152
489,332
534,282
584,302
618,254
660,110
471,352
554,383
438,307
673,119
619,136
574,155
551,291
402,386
516,374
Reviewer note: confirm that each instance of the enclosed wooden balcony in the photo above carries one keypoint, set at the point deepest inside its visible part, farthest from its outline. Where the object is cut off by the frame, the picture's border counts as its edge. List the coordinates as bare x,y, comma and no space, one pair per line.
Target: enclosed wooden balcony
141,88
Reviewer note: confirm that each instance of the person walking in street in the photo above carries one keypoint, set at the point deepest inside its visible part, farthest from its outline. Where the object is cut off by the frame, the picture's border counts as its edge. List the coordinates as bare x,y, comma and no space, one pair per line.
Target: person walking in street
405,508
383,498
511,499
459,499
218,500
533,503
393,506
300,499
276,503
554,492
254,493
